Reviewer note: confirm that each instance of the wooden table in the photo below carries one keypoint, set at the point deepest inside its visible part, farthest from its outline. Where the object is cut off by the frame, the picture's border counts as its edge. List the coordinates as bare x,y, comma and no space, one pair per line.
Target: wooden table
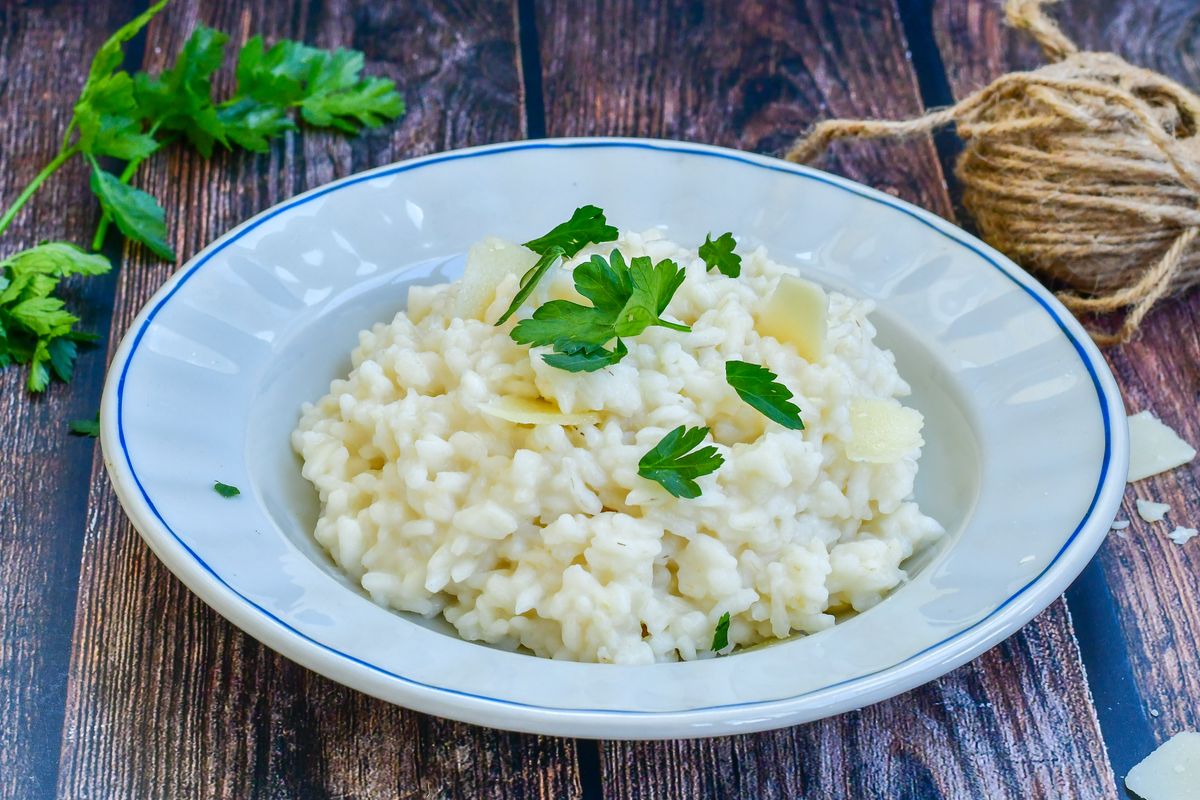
115,682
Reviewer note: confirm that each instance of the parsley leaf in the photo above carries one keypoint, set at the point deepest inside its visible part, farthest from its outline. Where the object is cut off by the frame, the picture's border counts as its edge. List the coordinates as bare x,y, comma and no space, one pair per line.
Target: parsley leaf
225,490
626,299
339,97
653,286
108,120
137,214
672,465
273,76
586,359
721,634
110,55
86,427
35,326
180,98
720,254
587,225
760,387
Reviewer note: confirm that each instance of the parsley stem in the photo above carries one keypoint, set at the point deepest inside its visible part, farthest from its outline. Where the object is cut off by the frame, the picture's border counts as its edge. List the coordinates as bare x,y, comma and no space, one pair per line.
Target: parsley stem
63,156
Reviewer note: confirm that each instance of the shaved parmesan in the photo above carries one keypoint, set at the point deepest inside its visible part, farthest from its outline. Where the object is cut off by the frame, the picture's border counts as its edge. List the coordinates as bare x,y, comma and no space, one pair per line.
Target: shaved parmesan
533,411
1119,525
1182,535
1152,512
489,262
1153,447
882,432
1172,772
797,314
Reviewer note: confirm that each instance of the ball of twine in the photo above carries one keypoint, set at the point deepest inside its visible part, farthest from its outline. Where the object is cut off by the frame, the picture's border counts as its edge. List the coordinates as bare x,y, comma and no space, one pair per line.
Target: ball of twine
1086,170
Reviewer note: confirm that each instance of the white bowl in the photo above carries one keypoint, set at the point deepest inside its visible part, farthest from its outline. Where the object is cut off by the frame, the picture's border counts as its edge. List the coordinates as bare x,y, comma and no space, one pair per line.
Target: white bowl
1025,462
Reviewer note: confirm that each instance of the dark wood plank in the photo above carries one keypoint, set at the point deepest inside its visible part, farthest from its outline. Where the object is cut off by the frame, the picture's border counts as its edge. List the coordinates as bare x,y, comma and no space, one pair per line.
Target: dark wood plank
1018,721
168,700
43,486
1155,581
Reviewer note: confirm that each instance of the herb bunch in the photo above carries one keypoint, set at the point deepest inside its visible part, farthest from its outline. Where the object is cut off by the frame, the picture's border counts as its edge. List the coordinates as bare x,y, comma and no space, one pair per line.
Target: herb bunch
128,118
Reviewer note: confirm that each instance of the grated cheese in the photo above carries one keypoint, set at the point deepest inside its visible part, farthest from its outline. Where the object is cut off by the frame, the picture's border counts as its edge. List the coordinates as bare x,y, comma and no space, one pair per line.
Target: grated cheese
1182,535
1151,511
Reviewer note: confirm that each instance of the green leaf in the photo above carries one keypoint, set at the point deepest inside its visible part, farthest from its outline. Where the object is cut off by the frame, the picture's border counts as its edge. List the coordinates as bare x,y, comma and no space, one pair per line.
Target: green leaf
530,280
721,634
760,387
587,359
62,351
251,125
273,76
653,286
560,323
180,99
43,316
606,283
674,464
111,53
338,97
225,490
109,121
86,427
587,225
720,254
58,259
137,214
39,376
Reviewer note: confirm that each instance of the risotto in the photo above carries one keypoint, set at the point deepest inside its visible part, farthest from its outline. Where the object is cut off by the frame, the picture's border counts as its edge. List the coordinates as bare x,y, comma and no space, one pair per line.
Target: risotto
461,474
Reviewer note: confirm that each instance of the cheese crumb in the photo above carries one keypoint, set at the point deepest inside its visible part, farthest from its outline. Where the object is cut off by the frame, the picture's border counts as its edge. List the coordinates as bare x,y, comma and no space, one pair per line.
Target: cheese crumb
1182,535
1153,447
1119,525
1172,772
1151,511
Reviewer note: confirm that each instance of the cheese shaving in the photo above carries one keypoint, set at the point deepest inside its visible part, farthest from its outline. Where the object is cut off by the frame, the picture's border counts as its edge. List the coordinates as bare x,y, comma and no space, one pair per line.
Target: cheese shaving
1153,447
1172,772
1151,511
1182,535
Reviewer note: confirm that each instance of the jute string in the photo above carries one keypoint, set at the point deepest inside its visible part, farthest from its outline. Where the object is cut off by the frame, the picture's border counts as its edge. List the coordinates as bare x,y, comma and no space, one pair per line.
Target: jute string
1086,170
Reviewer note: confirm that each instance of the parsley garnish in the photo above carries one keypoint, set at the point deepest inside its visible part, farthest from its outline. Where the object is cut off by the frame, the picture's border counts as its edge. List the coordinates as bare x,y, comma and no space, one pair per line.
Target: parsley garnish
761,388
671,465
225,490
86,427
587,225
720,254
129,118
721,634
35,327
626,299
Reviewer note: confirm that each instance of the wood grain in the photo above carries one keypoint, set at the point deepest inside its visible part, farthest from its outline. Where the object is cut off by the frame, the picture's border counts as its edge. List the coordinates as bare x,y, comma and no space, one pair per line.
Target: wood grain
168,700
1156,581
43,485
1017,722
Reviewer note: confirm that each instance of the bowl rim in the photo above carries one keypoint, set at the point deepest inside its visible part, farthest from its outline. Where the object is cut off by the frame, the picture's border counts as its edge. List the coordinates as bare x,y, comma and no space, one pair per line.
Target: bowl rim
953,650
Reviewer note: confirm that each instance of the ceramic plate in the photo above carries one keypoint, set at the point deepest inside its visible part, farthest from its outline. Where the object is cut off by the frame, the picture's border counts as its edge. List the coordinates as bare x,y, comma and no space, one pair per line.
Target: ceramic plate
1025,462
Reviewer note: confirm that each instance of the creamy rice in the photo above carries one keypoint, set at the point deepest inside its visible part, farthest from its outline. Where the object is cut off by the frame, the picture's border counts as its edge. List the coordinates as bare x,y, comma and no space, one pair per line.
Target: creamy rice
545,536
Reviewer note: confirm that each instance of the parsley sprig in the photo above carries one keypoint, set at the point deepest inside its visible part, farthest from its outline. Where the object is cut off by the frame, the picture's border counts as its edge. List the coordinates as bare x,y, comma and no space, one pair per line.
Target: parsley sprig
131,117
674,463
587,225
626,300
760,387
719,254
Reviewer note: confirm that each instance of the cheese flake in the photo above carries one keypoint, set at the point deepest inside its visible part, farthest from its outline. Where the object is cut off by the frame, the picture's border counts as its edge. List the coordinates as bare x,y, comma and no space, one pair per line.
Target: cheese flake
1153,447
1151,511
1172,772
1182,535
